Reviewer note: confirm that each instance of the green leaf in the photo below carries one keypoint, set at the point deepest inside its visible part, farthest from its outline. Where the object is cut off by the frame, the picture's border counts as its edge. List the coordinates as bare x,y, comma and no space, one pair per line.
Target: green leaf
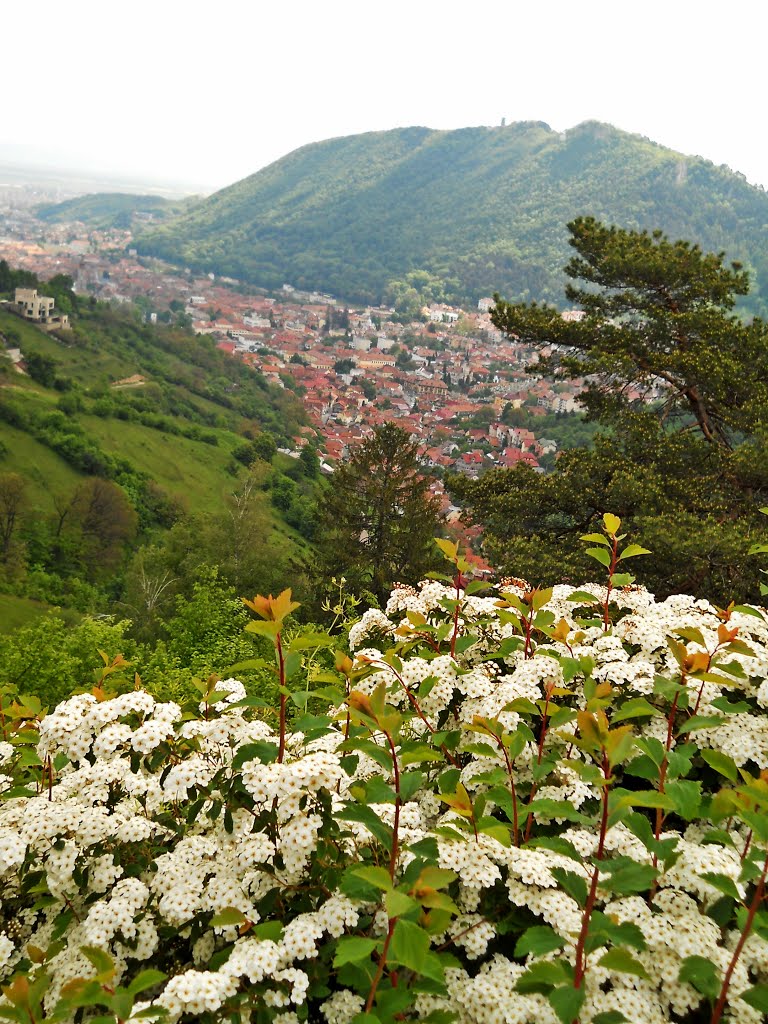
410,784
378,877
373,791
628,878
291,664
722,763
746,609
611,523
542,976
463,643
418,754
264,627
409,945
567,1001
644,798
691,634
308,641
637,707
353,950
622,579
724,705
398,903
697,722
372,750
702,974
596,538
618,959
271,930
369,818
557,845
546,809
449,548
757,997
686,797
227,917
619,933
723,884
600,555
610,1017
121,1004
144,980
582,597
100,959
261,750
573,884
538,940
632,551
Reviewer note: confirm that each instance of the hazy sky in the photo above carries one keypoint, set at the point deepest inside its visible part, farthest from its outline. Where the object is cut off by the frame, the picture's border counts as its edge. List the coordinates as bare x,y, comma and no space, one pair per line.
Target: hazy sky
210,92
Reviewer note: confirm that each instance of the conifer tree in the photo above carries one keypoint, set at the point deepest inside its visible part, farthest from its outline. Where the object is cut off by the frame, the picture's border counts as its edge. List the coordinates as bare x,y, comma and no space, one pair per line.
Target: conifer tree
378,520
658,321
680,384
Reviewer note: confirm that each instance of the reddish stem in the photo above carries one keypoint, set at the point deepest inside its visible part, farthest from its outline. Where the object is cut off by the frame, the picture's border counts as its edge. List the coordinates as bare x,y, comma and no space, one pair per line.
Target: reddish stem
663,772
398,804
747,845
381,966
510,773
542,737
611,571
457,584
528,624
757,898
589,906
283,696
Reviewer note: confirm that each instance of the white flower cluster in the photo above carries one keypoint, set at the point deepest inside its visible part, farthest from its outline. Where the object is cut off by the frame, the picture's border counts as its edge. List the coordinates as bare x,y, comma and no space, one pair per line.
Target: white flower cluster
186,842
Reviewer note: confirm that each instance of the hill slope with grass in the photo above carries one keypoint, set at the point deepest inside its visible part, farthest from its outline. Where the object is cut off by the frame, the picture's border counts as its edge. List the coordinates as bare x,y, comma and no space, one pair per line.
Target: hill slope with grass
459,214
175,437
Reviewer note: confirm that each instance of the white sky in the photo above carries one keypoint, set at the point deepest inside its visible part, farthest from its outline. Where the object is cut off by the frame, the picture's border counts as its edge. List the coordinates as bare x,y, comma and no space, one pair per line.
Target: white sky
209,92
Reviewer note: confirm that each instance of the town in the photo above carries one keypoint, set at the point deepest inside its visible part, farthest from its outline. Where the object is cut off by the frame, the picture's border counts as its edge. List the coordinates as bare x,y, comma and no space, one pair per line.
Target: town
464,391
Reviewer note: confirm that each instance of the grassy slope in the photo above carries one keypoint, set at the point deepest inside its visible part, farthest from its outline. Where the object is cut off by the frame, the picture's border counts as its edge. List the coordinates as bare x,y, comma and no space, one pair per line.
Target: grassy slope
181,466
46,472
482,208
21,611
197,472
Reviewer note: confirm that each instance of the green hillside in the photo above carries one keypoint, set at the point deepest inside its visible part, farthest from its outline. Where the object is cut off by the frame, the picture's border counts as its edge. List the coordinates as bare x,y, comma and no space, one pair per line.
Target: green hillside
176,446
111,209
478,209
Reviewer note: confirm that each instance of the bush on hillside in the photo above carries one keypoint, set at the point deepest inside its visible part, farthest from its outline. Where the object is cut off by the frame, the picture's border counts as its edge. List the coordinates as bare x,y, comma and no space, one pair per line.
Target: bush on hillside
534,805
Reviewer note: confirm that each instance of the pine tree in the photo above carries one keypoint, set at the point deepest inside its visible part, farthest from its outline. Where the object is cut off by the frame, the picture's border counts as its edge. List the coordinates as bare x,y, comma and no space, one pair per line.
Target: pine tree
658,321
378,520
680,385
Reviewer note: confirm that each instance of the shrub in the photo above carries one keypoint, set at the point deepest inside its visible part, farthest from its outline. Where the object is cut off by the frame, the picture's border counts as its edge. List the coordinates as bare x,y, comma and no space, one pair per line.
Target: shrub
536,805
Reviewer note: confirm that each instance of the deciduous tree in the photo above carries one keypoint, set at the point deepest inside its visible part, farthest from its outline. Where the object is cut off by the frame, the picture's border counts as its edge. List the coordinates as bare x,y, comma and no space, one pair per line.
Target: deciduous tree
12,499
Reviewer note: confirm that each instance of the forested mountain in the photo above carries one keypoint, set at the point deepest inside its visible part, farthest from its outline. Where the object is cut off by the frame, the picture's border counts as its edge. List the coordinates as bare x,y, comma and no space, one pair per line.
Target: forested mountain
459,214
112,209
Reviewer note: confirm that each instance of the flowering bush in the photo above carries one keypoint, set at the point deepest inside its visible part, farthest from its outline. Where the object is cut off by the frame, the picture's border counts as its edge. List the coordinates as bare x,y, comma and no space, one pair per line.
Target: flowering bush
521,805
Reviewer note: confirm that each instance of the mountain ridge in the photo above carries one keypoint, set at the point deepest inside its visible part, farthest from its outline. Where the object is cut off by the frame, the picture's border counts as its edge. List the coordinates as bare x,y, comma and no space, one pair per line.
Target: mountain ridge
476,209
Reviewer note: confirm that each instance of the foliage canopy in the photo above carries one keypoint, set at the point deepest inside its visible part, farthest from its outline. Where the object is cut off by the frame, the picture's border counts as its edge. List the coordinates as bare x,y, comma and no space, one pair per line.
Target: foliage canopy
414,215
681,382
